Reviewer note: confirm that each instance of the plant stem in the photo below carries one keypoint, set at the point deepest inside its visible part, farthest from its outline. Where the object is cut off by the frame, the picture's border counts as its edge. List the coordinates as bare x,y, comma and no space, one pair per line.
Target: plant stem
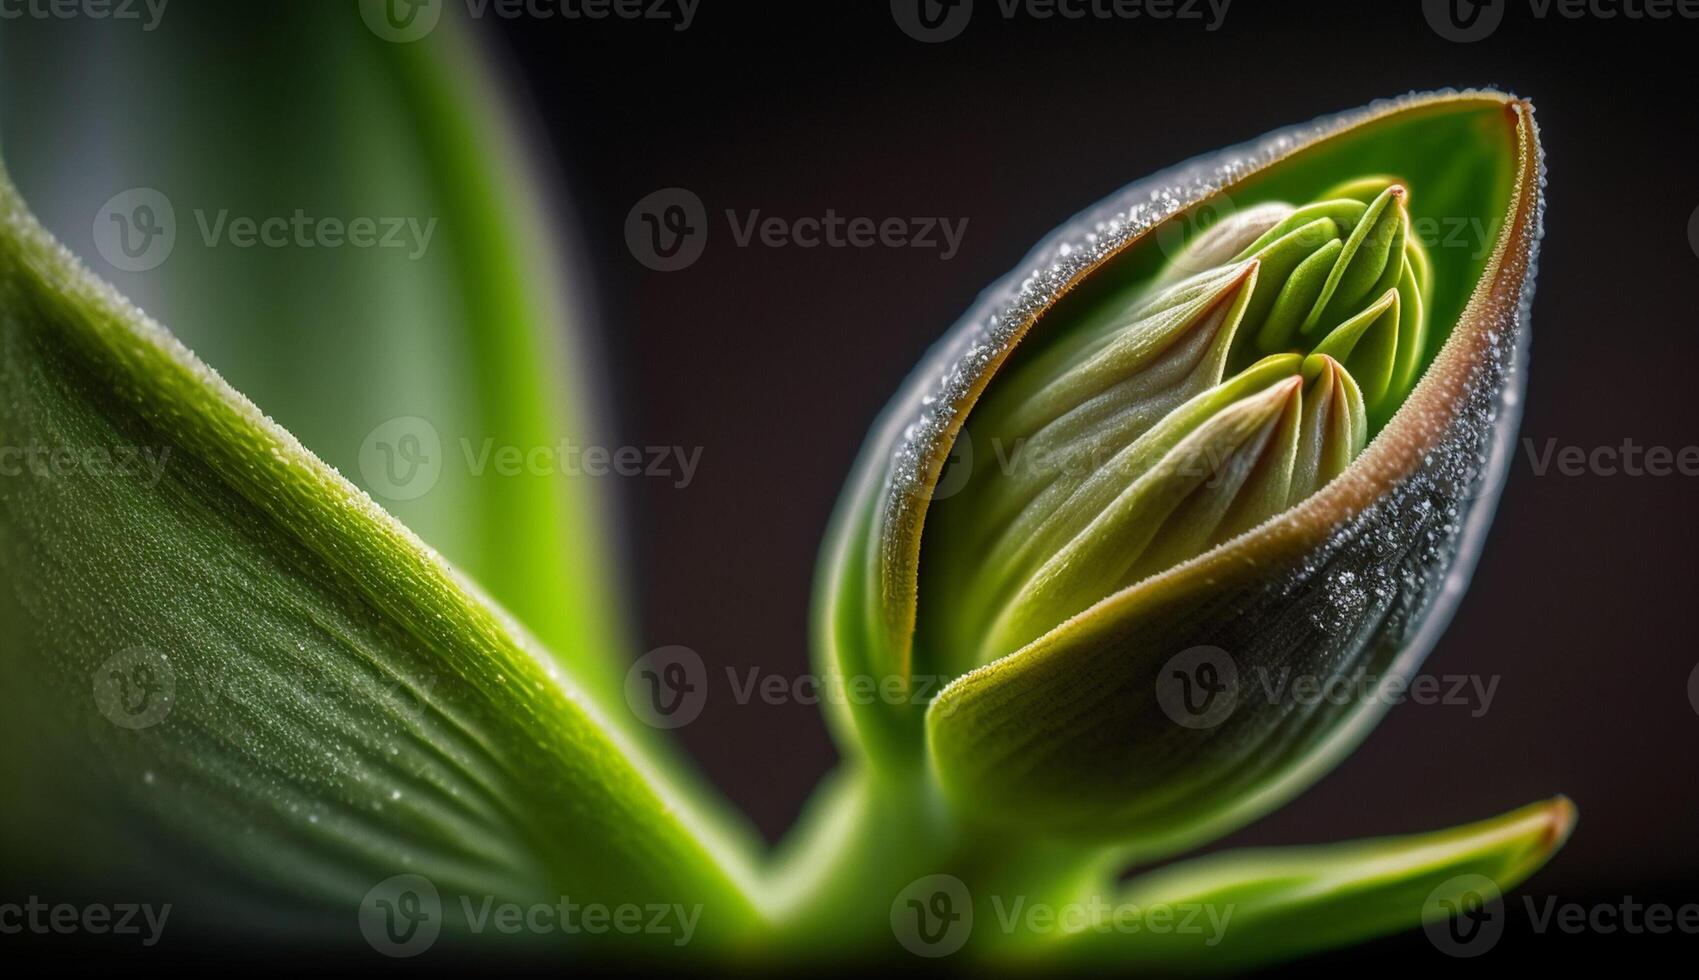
867,836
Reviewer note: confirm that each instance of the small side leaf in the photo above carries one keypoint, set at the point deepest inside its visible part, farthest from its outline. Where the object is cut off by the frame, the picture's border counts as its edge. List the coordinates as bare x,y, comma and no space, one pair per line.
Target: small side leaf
1259,907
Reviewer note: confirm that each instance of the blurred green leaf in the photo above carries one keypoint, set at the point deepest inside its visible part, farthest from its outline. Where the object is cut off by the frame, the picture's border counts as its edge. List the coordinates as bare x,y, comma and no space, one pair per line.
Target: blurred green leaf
464,326
214,629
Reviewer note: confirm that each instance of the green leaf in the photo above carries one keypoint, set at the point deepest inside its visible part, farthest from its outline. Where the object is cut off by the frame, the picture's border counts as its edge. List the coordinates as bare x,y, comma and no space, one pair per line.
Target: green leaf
254,112
1257,907
219,648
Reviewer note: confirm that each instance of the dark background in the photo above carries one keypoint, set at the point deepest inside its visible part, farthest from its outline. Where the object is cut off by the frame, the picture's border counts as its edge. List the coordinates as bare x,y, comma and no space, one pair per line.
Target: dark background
776,360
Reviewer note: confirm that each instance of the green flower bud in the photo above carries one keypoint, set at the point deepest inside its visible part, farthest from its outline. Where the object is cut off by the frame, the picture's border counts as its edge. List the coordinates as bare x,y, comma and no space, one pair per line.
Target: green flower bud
1281,436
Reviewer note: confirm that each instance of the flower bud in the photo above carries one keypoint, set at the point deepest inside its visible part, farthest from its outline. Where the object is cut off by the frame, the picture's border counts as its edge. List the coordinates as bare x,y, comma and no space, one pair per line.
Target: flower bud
1284,441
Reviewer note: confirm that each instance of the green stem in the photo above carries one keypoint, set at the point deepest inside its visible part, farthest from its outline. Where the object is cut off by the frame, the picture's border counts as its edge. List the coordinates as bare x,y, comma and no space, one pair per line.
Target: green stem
867,837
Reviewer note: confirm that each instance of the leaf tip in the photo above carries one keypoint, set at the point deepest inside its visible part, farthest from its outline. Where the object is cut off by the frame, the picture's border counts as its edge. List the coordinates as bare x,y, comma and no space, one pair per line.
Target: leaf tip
1560,815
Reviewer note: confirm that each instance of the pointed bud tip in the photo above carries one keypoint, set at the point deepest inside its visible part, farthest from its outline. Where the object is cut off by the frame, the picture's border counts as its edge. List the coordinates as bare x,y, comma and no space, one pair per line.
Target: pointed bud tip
1560,814
1316,365
1237,279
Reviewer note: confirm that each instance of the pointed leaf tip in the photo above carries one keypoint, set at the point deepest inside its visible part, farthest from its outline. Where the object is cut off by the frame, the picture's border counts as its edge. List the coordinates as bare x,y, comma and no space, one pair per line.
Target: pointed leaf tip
1264,906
